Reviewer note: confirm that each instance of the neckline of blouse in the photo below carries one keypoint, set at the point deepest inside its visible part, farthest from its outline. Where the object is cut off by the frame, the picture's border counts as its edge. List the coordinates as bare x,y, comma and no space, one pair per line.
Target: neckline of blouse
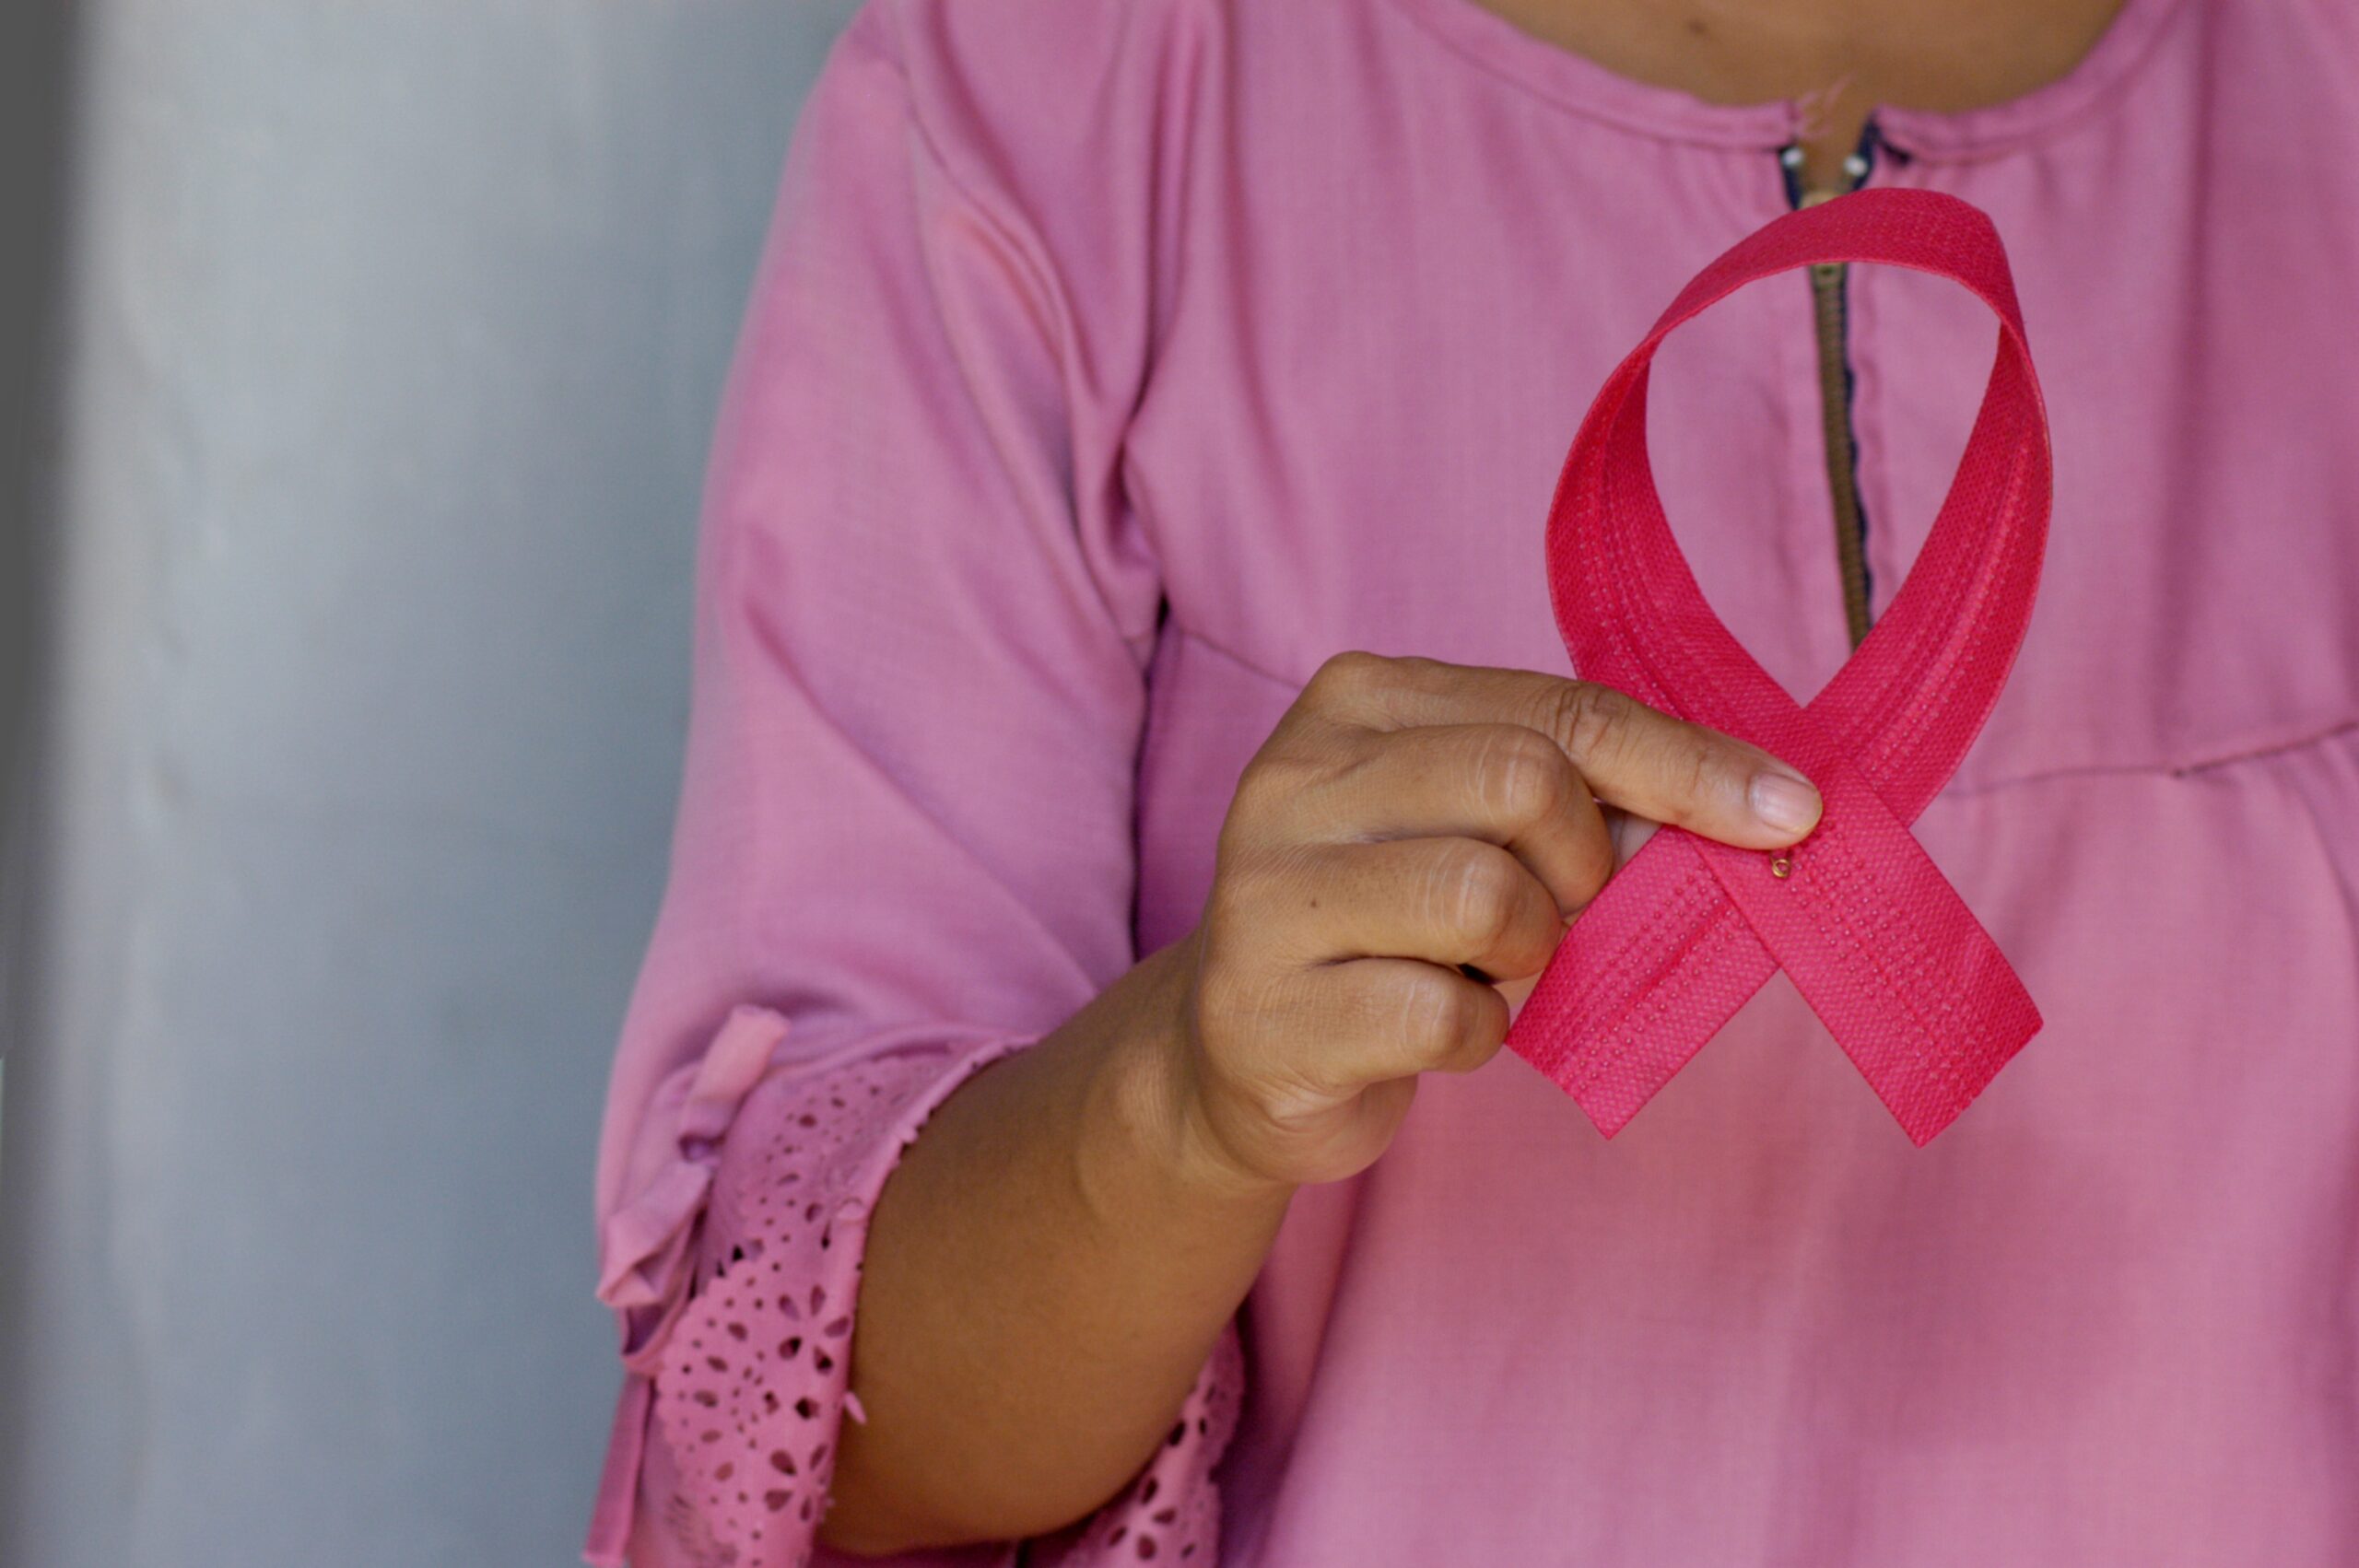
1577,82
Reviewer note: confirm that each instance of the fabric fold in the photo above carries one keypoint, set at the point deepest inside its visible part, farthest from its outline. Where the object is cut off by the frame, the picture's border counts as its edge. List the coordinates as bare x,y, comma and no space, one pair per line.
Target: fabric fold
645,1243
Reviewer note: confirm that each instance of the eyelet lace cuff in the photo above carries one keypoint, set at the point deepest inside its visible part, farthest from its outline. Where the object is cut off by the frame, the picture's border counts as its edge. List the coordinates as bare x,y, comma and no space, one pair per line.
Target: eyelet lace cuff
744,1361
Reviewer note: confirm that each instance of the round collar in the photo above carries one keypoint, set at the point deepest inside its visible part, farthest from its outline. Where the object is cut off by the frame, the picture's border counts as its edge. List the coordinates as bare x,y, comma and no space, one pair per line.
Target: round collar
1489,41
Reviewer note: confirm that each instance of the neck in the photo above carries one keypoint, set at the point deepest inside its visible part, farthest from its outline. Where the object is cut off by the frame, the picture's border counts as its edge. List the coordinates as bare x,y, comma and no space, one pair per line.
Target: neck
1840,58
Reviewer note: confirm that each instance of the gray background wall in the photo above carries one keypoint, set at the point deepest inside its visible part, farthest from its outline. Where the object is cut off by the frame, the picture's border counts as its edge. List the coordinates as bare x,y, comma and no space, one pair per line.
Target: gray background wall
392,336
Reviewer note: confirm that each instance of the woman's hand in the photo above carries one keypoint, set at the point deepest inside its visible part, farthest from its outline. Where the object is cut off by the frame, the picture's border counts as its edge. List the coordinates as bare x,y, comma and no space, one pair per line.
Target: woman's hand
1051,1263
1412,832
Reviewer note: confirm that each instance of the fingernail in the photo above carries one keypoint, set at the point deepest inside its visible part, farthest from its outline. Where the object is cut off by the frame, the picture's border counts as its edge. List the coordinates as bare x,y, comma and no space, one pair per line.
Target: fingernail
1783,802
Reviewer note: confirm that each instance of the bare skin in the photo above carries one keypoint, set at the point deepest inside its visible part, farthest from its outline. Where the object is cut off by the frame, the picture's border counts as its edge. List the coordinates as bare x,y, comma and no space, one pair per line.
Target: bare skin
1839,57
1070,1234
1057,1253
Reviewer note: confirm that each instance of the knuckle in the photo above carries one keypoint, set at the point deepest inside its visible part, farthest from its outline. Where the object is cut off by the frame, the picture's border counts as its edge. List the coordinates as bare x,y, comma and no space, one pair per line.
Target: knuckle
1703,771
1458,1021
1479,1037
1696,773
1593,718
1479,892
1429,1010
1343,678
1521,775
1275,781
1420,670
1259,787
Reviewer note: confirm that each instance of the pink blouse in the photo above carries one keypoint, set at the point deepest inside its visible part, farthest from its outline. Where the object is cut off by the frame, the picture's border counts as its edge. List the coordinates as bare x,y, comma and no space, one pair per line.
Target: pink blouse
1113,364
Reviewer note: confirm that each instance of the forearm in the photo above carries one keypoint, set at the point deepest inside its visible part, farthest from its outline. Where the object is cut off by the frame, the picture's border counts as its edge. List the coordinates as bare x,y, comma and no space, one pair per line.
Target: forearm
1055,1256
1046,1271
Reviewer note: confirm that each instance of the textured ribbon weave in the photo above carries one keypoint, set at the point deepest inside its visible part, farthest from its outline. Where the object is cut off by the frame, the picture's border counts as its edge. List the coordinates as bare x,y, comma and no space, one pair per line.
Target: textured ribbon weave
1870,933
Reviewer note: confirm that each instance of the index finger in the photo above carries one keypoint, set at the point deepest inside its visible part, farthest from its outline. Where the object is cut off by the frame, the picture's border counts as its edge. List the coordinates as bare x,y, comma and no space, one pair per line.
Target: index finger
1638,758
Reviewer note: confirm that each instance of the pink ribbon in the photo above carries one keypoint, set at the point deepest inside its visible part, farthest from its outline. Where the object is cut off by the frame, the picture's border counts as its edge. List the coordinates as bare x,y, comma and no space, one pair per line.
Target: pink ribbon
1870,933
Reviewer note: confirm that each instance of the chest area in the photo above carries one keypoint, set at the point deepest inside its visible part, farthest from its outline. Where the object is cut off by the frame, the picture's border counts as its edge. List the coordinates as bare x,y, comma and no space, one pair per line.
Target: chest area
1375,471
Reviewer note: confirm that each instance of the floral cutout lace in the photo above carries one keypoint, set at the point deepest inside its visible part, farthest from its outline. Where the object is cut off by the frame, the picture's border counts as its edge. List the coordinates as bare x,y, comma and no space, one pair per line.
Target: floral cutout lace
751,1378
1171,1513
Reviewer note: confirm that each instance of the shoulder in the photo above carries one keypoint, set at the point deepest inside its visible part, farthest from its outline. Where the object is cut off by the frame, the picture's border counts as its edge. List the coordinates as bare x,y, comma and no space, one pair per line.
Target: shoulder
1035,72
1057,134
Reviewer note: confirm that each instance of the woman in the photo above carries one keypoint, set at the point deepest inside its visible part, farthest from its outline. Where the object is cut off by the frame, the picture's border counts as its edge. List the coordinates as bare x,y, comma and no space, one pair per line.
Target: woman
1133,778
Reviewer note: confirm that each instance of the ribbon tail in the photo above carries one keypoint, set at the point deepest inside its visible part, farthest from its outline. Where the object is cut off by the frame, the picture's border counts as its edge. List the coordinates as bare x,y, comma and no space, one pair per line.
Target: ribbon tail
1960,1017
1649,973
1888,955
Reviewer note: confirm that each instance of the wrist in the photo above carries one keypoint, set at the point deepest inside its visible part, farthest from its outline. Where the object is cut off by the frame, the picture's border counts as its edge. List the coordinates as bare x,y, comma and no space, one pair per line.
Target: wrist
1155,1105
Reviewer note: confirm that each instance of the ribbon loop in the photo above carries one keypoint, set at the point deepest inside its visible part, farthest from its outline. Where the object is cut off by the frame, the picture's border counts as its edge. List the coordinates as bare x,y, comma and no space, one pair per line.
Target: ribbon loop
1857,915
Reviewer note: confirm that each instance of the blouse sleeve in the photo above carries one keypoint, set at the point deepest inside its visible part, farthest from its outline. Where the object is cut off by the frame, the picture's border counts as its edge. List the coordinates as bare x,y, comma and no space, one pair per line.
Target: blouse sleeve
904,842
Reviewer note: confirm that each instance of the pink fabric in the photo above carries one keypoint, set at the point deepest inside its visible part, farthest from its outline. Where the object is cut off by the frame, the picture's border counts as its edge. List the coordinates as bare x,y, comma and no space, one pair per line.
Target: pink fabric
1111,365
1856,915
